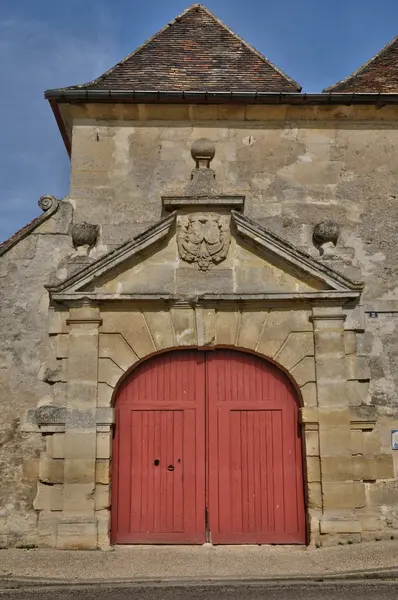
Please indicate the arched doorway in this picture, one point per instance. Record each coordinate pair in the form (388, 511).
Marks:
(207, 447)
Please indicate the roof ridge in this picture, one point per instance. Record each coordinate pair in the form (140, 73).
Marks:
(360, 69)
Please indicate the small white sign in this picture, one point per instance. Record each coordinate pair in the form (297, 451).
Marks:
(394, 439)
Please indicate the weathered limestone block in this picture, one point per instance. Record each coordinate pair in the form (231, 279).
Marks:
(314, 495)
(296, 347)
(370, 520)
(350, 342)
(359, 494)
(311, 443)
(338, 494)
(313, 469)
(227, 322)
(62, 344)
(329, 343)
(47, 526)
(382, 493)
(48, 497)
(78, 499)
(57, 445)
(333, 417)
(358, 367)
(251, 327)
(132, 325)
(357, 392)
(103, 525)
(309, 416)
(160, 328)
(82, 359)
(108, 372)
(102, 497)
(51, 470)
(309, 394)
(48, 414)
(184, 326)
(104, 445)
(115, 347)
(304, 371)
(75, 535)
(278, 326)
(340, 525)
(356, 442)
(335, 441)
(102, 471)
(205, 326)
(80, 444)
(337, 468)
(104, 397)
(79, 470)
(371, 442)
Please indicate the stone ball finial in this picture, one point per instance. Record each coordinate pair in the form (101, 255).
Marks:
(84, 234)
(203, 151)
(326, 232)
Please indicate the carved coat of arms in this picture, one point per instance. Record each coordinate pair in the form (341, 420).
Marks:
(204, 239)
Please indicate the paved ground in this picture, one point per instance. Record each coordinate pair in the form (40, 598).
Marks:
(365, 591)
(198, 562)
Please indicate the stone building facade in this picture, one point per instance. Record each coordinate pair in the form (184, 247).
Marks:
(214, 209)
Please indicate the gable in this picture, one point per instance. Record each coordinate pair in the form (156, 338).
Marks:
(204, 253)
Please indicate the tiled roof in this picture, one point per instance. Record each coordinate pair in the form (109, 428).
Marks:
(379, 74)
(195, 52)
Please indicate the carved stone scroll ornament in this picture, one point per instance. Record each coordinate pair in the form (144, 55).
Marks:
(203, 239)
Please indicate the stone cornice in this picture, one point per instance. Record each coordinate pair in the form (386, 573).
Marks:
(327, 296)
(229, 202)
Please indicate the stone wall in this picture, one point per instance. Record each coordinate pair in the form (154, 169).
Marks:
(296, 166)
(28, 370)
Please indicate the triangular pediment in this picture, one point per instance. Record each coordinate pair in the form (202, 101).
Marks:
(206, 254)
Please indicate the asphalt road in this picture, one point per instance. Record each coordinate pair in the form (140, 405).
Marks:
(325, 591)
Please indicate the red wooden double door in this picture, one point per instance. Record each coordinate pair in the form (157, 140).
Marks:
(207, 447)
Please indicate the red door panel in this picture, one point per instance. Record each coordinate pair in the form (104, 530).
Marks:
(255, 464)
(158, 488)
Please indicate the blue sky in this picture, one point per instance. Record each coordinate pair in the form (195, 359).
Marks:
(46, 44)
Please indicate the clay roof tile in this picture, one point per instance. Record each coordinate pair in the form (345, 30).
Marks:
(195, 52)
(378, 75)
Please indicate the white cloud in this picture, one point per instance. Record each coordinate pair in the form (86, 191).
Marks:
(35, 56)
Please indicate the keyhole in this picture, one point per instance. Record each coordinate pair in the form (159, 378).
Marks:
(156, 462)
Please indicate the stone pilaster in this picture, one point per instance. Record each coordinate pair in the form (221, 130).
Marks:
(78, 526)
(340, 493)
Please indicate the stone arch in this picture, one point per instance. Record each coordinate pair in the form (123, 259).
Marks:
(284, 337)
